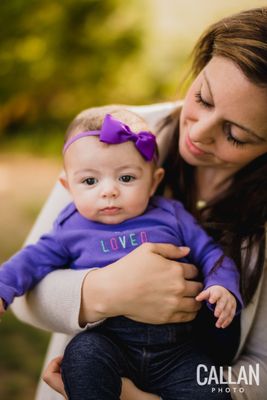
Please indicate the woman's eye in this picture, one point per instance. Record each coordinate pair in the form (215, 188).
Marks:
(90, 181)
(231, 138)
(126, 178)
(199, 99)
(235, 141)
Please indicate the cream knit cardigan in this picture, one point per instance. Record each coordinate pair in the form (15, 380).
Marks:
(54, 304)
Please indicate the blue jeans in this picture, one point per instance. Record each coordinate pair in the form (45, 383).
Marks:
(159, 359)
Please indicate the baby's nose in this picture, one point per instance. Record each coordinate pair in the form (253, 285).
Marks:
(110, 190)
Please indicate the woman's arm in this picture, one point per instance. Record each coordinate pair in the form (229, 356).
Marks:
(254, 352)
(54, 304)
(144, 286)
(47, 306)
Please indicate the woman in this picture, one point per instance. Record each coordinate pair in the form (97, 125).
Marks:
(220, 173)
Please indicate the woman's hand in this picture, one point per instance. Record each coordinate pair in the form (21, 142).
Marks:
(130, 392)
(52, 376)
(146, 285)
(2, 307)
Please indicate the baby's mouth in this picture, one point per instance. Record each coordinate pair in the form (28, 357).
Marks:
(111, 210)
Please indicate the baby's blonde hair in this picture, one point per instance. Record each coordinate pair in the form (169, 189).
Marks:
(92, 119)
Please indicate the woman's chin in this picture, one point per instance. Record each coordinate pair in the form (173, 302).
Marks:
(188, 157)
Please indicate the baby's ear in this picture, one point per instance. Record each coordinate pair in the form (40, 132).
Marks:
(63, 180)
(157, 178)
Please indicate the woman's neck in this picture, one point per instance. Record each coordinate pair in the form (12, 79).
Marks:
(211, 182)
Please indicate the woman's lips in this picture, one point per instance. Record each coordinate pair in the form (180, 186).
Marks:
(192, 148)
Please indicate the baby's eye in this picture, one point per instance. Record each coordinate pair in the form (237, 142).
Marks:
(126, 178)
(90, 181)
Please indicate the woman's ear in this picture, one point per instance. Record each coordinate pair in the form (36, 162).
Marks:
(157, 178)
(64, 181)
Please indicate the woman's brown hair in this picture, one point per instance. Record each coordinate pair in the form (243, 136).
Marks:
(237, 218)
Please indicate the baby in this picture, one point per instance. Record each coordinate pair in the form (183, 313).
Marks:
(111, 172)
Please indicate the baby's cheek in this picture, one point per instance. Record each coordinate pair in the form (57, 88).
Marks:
(140, 206)
(86, 208)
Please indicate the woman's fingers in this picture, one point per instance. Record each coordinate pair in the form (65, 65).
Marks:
(2, 308)
(147, 285)
(182, 317)
(168, 250)
(187, 311)
(52, 368)
(190, 271)
(131, 392)
(192, 288)
(52, 376)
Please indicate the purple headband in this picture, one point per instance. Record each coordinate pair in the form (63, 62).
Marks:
(114, 131)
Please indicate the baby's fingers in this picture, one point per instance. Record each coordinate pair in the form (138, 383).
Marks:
(220, 306)
(204, 295)
(211, 295)
(226, 316)
(224, 320)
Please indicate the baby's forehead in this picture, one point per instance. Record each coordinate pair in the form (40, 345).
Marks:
(91, 152)
(96, 148)
(135, 122)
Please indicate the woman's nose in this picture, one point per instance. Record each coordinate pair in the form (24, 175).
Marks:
(203, 131)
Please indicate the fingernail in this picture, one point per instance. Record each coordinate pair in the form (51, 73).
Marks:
(185, 248)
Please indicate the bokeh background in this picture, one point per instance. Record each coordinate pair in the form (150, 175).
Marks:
(56, 58)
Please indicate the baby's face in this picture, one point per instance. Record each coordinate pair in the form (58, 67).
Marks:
(109, 183)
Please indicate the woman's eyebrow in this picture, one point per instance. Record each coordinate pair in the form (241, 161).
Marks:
(249, 131)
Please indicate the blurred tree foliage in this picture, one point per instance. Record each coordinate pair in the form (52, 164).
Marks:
(58, 57)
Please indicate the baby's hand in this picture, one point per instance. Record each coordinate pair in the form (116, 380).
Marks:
(225, 304)
(2, 308)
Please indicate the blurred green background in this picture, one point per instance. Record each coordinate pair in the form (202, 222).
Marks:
(56, 58)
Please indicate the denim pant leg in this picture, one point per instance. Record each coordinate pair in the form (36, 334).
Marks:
(163, 360)
(172, 374)
(92, 367)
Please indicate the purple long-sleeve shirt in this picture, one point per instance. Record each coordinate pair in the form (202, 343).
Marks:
(79, 243)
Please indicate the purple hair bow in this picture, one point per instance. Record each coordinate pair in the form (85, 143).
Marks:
(114, 131)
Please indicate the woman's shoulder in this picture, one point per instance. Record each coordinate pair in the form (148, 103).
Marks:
(154, 113)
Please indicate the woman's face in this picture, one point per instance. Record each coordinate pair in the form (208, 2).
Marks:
(223, 122)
